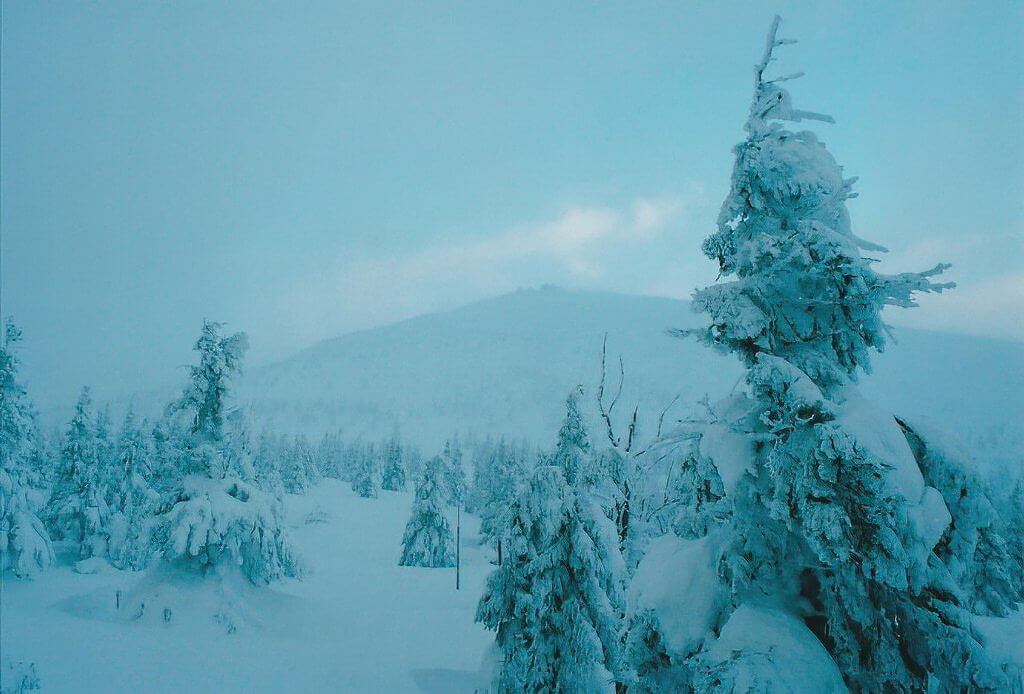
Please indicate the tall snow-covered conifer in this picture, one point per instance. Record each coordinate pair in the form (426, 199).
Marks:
(454, 474)
(216, 521)
(428, 538)
(392, 473)
(331, 455)
(815, 527)
(502, 473)
(556, 627)
(131, 498)
(365, 472)
(78, 506)
(24, 543)
(300, 469)
(267, 464)
(572, 450)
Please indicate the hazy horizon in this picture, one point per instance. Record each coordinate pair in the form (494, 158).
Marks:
(303, 172)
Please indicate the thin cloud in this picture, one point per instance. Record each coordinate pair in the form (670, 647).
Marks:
(576, 247)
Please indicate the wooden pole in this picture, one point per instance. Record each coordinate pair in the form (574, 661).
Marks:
(458, 543)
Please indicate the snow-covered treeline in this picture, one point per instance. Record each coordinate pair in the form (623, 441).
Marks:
(191, 485)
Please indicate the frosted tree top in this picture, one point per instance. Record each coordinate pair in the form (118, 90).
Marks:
(803, 292)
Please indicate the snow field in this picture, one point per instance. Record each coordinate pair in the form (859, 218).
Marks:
(357, 622)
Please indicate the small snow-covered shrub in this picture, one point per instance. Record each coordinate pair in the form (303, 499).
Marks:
(317, 515)
(20, 677)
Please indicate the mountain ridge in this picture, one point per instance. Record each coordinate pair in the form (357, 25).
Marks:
(504, 365)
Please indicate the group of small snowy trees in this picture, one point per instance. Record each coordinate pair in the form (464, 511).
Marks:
(102, 494)
(387, 465)
(188, 490)
(295, 464)
(814, 542)
(193, 490)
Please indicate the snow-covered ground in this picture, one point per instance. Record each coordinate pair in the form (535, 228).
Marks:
(356, 623)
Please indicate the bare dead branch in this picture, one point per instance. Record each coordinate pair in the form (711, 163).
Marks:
(605, 413)
(661, 417)
(622, 380)
(632, 429)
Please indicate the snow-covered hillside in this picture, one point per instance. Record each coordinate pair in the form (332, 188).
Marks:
(504, 366)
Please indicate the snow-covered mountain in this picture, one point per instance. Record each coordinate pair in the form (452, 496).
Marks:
(505, 365)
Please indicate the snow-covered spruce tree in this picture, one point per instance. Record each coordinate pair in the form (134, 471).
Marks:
(163, 457)
(215, 521)
(131, 498)
(107, 455)
(239, 447)
(503, 472)
(266, 464)
(412, 456)
(572, 449)
(24, 543)
(455, 483)
(557, 629)
(365, 472)
(599, 502)
(330, 456)
(78, 508)
(392, 472)
(480, 454)
(300, 469)
(817, 530)
(428, 538)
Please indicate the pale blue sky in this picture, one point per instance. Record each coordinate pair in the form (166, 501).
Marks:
(305, 169)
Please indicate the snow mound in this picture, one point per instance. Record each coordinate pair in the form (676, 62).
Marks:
(169, 590)
(734, 453)
(878, 432)
(678, 582)
(93, 565)
(772, 651)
